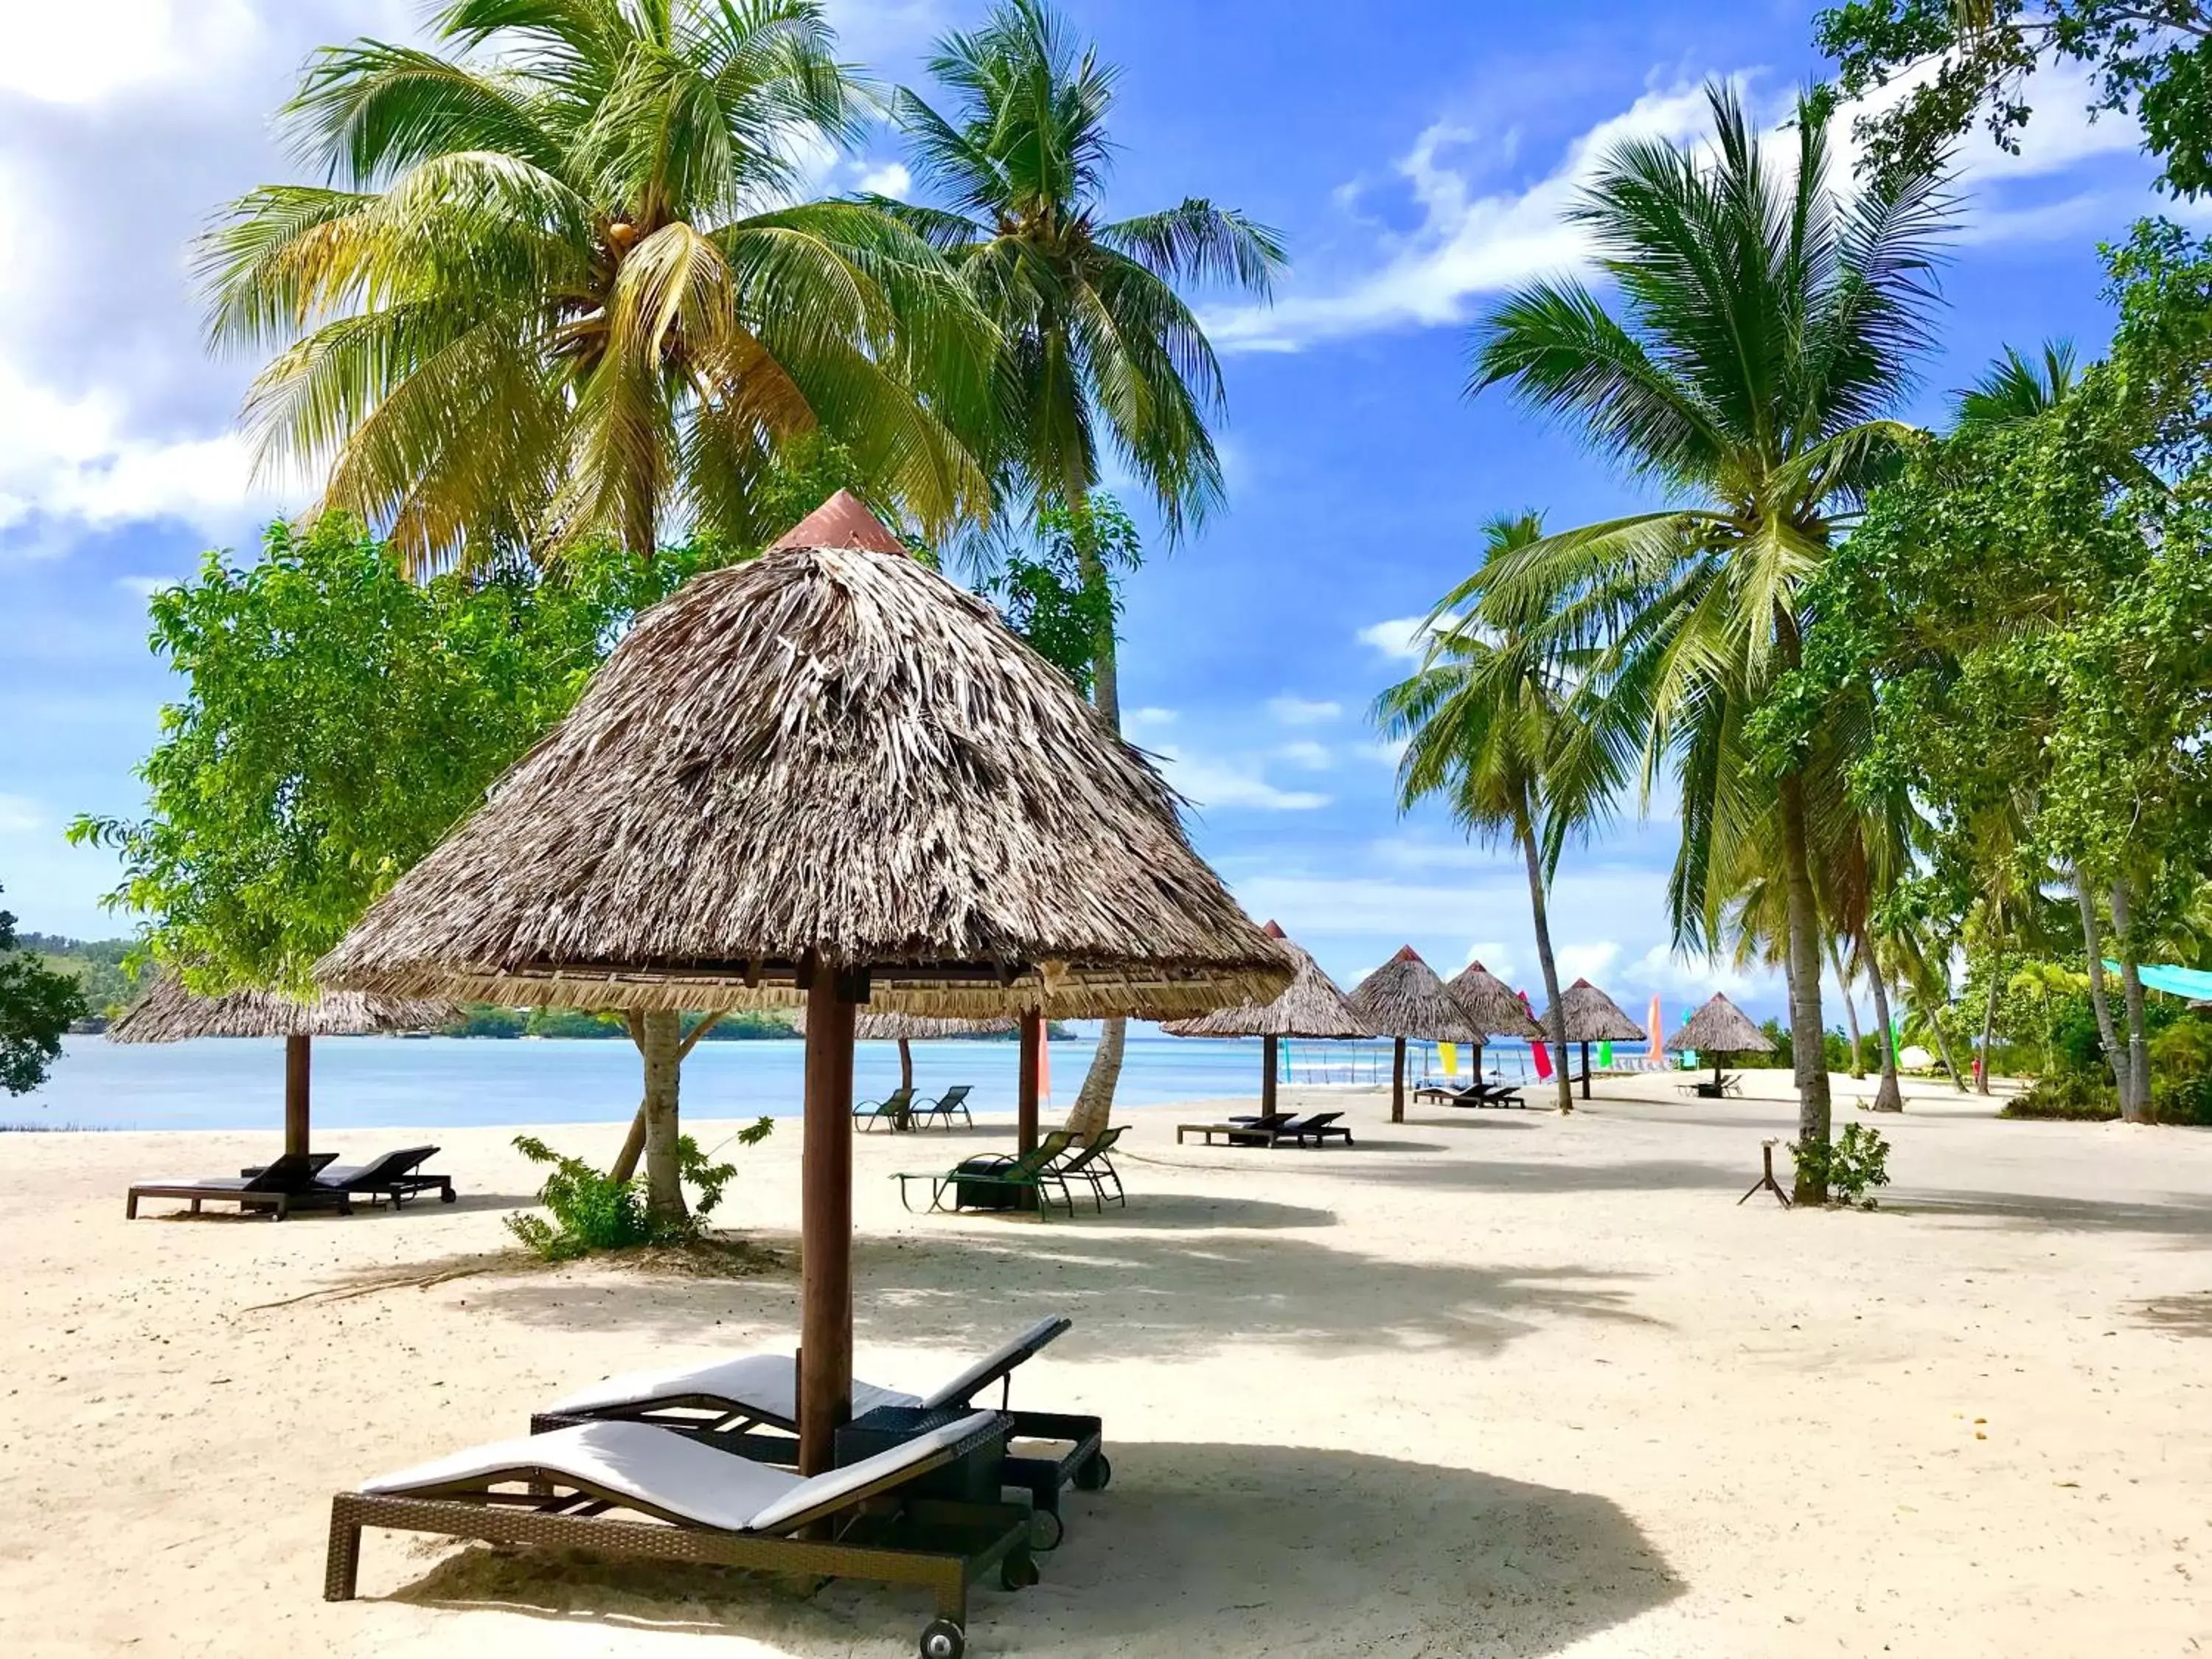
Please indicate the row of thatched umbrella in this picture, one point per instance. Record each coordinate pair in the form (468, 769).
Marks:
(826, 778)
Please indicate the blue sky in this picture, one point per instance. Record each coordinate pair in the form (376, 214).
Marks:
(1416, 154)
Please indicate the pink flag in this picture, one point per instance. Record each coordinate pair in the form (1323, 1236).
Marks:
(1541, 1051)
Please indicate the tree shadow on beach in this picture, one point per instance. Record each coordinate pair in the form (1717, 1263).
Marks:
(1517, 1175)
(2177, 1316)
(2184, 1219)
(1194, 1549)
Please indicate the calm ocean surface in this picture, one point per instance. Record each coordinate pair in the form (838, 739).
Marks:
(375, 1082)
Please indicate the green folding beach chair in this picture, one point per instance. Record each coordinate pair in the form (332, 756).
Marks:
(997, 1182)
(895, 1108)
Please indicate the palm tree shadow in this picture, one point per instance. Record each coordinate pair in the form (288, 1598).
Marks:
(1194, 1549)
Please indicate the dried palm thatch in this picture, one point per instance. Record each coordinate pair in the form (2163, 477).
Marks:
(1593, 1017)
(1720, 1028)
(170, 1013)
(1494, 1006)
(1312, 1007)
(890, 1026)
(1404, 998)
(833, 758)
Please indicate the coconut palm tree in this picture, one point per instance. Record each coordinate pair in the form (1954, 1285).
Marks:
(1493, 727)
(1098, 352)
(1766, 325)
(561, 283)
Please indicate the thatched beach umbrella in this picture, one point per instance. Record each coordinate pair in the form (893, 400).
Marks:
(906, 1029)
(1405, 998)
(1493, 1007)
(828, 777)
(1592, 1016)
(170, 1013)
(1312, 1007)
(1720, 1028)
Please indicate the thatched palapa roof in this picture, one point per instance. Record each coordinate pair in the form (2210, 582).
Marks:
(170, 1013)
(888, 1025)
(830, 755)
(1404, 998)
(1494, 1006)
(1593, 1017)
(1720, 1028)
(1311, 1007)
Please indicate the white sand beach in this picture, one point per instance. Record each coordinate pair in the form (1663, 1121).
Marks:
(1485, 1384)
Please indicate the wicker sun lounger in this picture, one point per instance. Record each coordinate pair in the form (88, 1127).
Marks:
(697, 1503)
(287, 1185)
(997, 1181)
(952, 1100)
(749, 1404)
(396, 1176)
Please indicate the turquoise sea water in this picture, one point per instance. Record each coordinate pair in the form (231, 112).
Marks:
(375, 1082)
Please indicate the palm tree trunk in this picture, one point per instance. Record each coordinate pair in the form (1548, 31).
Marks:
(1094, 1102)
(1805, 1025)
(2115, 1055)
(1989, 1037)
(664, 1060)
(1944, 1046)
(1851, 1009)
(1888, 1096)
(1541, 918)
(2134, 1099)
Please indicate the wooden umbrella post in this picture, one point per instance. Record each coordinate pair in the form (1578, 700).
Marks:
(825, 1233)
(1267, 1069)
(1025, 1100)
(906, 1066)
(297, 1068)
(1586, 1080)
(1397, 1079)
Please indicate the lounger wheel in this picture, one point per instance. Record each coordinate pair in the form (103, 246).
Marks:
(1046, 1530)
(943, 1639)
(1094, 1474)
(446, 1196)
(1017, 1572)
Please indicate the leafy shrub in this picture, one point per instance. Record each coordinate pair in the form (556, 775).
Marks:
(2187, 1100)
(1850, 1166)
(592, 1211)
(2080, 1096)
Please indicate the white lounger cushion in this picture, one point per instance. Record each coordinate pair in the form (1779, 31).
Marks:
(955, 1392)
(764, 1383)
(673, 1473)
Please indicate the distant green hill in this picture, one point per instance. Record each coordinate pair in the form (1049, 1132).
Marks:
(96, 964)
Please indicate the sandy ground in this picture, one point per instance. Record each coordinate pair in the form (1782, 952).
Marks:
(1488, 1383)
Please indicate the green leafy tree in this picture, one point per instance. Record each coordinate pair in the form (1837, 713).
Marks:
(338, 718)
(36, 1008)
(1062, 594)
(1971, 62)
(1494, 728)
(1765, 324)
(1098, 353)
(559, 288)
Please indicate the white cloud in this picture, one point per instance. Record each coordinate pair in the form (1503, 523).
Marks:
(890, 180)
(1206, 782)
(1314, 757)
(145, 588)
(1147, 720)
(1493, 954)
(20, 815)
(1660, 970)
(1585, 961)
(1389, 750)
(68, 55)
(1301, 711)
(1403, 637)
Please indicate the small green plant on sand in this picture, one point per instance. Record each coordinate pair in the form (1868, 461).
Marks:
(592, 1211)
(1856, 1163)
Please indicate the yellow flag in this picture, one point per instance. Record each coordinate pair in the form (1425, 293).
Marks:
(1448, 1056)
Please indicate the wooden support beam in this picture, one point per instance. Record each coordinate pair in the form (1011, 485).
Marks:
(1268, 1070)
(1025, 1098)
(825, 1233)
(297, 1070)
(1397, 1079)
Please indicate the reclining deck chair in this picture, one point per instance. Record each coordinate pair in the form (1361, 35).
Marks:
(699, 1504)
(729, 1402)
(281, 1187)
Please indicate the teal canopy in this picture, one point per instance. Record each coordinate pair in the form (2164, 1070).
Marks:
(2191, 982)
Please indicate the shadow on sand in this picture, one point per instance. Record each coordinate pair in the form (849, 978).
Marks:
(1194, 1549)
(2184, 1220)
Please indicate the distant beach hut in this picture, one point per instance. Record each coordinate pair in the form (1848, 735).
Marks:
(825, 777)
(1403, 1000)
(1311, 1006)
(170, 1013)
(1592, 1016)
(1720, 1028)
(1493, 1008)
(906, 1029)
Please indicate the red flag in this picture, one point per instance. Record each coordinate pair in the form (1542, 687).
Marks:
(1541, 1051)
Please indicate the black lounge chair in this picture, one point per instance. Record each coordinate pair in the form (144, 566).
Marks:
(1089, 1163)
(281, 1187)
(952, 1100)
(1261, 1129)
(730, 1402)
(696, 1502)
(996, 1181)
(895, 1108)
(1476, 1094)
(1319, 1128)
(396, 1176)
